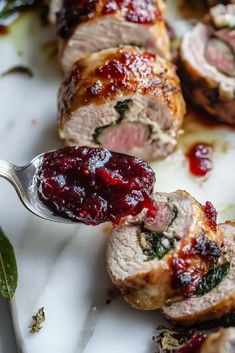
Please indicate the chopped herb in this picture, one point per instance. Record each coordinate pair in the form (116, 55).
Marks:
(38, 319)
(13, 7)
(121, 108)
(8, 268)
(169, 341)
(24, 70)
(98, 131)
(155, 245)
(213, 278)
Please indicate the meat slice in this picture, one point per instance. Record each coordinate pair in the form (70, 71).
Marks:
(141, 253)
(218, 301)
(208, 64)
(89, 26)
(222, 341)
(123, 99)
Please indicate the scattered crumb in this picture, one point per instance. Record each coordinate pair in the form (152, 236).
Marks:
(38, 319)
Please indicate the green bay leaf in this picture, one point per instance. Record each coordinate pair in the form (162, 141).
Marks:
(8, 268)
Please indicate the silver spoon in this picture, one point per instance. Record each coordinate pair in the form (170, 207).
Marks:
(24, 181)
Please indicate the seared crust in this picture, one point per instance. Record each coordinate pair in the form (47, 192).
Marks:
(113, 74)
(148, 284)
(216, 303)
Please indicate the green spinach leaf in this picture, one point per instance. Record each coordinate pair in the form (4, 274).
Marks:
(155, 245)
(121, 107)
(213, 278)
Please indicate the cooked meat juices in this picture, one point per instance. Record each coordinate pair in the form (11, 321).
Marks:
(208, 64)
(218, 301)
(125, 100)
(89, 26)
(144, 256)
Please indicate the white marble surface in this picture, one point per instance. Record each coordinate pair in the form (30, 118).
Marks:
(62, 267)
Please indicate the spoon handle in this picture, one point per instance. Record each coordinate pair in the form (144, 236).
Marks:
(8, 171)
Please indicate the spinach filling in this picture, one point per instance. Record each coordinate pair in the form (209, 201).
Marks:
(213, 278)
(155, 245)
(121, 107)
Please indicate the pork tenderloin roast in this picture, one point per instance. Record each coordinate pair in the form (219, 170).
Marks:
(123, 99)
(156, 257)
(217, 302)
(208, 64)
(88, 26)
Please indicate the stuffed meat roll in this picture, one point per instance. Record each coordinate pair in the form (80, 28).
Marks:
(126, 100)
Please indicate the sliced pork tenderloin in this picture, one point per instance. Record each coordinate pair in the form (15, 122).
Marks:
(89, 26)
(157, 257)
(123, 99)
(217, 302)
(208, 64)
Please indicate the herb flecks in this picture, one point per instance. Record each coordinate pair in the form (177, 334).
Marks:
(155, 245)
(213, 278)
(38, 319)
(8, 268)
(121, 107)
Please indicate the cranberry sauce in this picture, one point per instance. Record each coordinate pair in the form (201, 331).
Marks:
(200, 159)
(211, 215)
(192, 261)
(138, 11)
(93, 185)
(194, 344)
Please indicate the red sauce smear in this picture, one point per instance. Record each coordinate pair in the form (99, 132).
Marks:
(3, 30)
(94, 185)
(194, 345)
(137, 11)
(122, 71)
(200, 159)
(192, 261)
(211, 215)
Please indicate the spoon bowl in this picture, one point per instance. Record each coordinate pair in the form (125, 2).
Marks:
(24, 180)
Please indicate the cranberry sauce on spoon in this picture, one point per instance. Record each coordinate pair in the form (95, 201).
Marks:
(94, 185)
